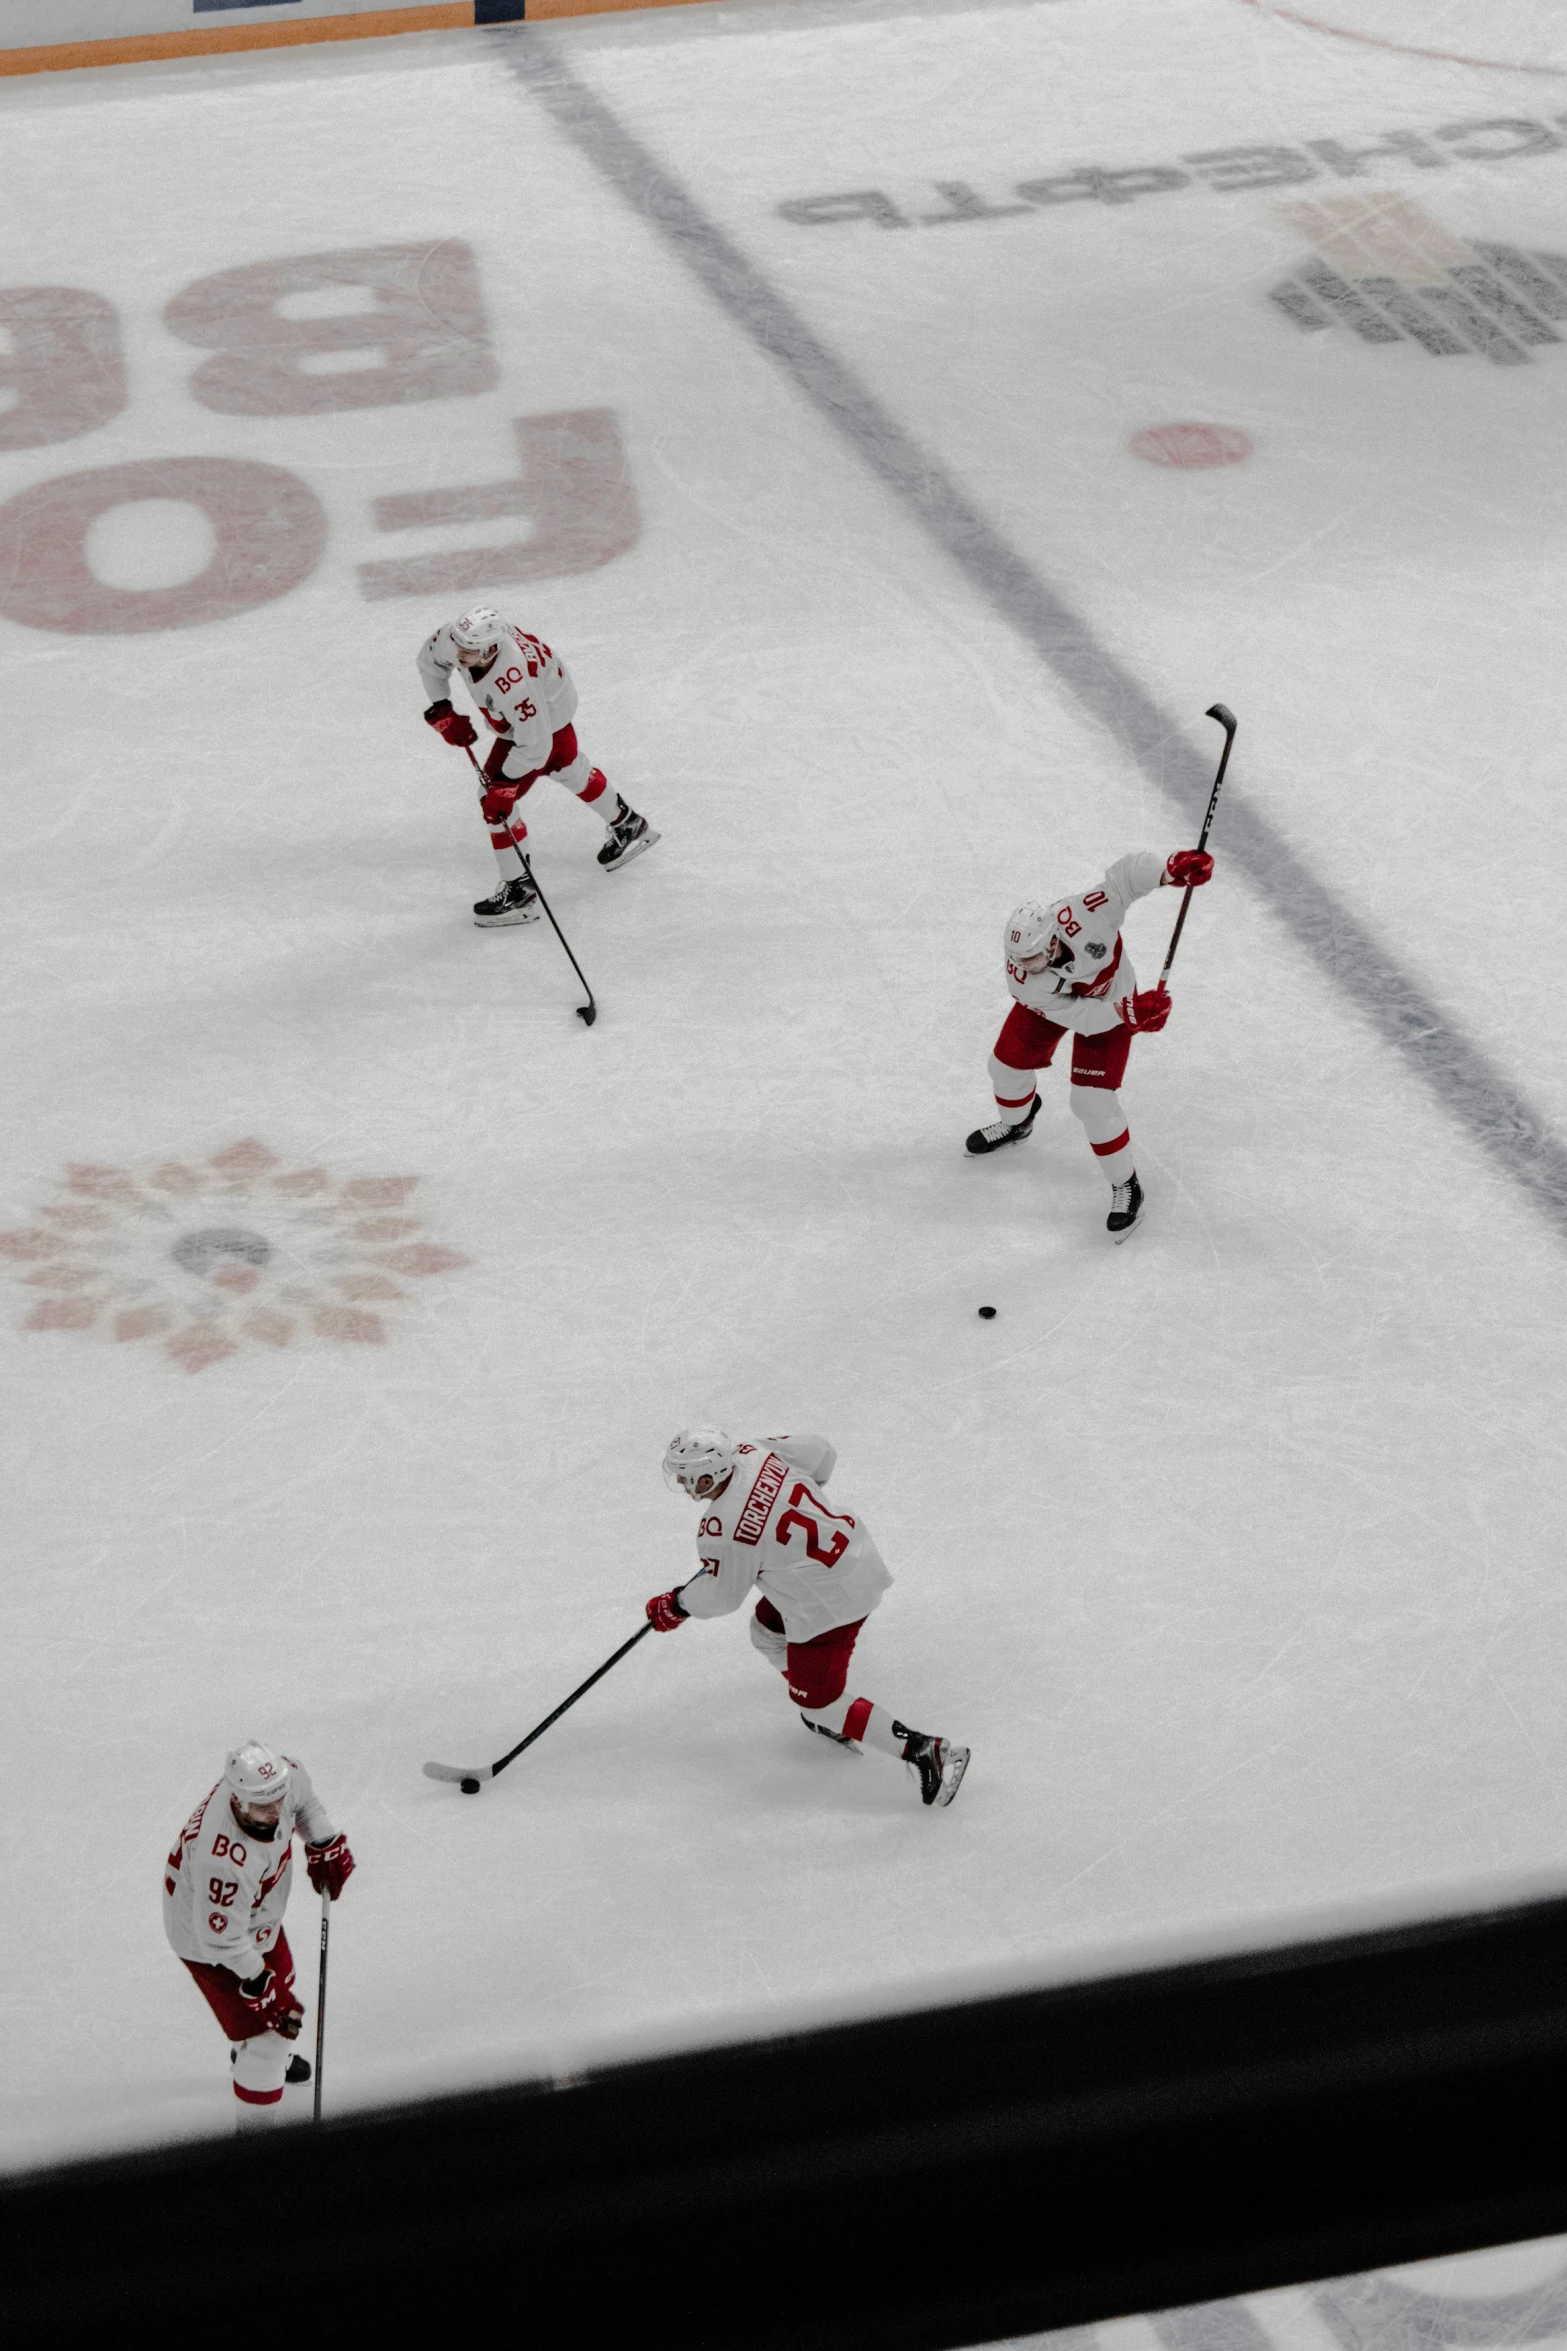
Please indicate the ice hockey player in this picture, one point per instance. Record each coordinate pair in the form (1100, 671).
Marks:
(225, 1889)
(1068, 969)
(529, 701)
(819, 1574)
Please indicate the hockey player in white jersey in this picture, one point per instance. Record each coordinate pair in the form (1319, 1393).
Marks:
(819, 1574)
(525, 695)
(225, 1889)
(1068, 970)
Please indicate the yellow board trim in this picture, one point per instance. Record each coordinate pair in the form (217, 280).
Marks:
(538, 8)
(137, 48)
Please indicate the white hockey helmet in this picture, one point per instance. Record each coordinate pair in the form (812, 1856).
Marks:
(697, 1454)
(1031, 930)
(477, 631)
(256, 1773)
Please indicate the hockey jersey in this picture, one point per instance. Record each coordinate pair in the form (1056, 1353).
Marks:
(224, 1888)
(1092, 993)
(770, 1527)
(526, 693)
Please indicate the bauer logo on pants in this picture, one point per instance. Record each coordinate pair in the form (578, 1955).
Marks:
(1390, 273)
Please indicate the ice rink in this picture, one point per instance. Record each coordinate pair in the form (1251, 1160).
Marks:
(824, 382)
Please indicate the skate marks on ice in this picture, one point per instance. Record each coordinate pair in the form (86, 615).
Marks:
(1492, 2301)
(207, 1258)
(1473, 1091)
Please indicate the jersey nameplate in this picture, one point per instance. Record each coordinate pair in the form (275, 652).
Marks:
(759, 1507)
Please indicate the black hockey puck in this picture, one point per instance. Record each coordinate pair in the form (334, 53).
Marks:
(988, 1313)
(469, 1787)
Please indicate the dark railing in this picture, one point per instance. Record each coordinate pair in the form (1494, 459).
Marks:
(907, 2184)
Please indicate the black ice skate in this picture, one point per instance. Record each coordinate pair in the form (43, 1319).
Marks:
(939, 1765)
(993, 1137)
(1126, 1208)
(837, 1737)
(516, 901)
(627, 837)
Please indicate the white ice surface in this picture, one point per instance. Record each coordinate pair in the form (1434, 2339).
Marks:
(1234, 1553)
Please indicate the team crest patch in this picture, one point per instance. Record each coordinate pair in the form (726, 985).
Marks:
(207, 1258)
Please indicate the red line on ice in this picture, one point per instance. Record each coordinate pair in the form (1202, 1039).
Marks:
(1342, 32)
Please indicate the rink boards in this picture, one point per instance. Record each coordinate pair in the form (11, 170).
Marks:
(52, 36)
(905, 427)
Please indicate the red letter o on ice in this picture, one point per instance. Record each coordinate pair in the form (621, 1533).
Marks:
(269, 527)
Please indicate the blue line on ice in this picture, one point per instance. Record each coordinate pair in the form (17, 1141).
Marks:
(1493, 1112)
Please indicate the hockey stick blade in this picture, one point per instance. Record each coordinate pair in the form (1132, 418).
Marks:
(474, 1773)
(587, 1013)
(1228, 720)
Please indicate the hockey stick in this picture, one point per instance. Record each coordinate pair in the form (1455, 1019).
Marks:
(469, 1775)
(1228, 721)
(587, 1013)
(326, 1927)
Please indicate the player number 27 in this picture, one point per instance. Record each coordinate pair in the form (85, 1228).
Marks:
(794, 1516)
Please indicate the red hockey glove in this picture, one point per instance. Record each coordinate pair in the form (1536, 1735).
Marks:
(1148, 1010)
(1188, 869)
(450, 725)
(330, 1866)
(497, 803)
(664, 1612)
(272, 2003)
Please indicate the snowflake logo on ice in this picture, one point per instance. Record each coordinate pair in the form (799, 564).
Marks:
(208, 1258)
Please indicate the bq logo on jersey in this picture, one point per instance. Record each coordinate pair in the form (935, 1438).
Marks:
(1389, 272)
